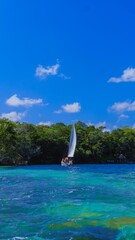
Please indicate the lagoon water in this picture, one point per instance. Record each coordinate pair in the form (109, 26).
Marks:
(80, 202)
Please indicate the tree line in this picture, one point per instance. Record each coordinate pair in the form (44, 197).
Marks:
(23, 143)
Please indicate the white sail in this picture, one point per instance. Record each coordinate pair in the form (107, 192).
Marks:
(72, 143)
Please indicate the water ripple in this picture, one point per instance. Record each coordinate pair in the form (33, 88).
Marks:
(80, 202)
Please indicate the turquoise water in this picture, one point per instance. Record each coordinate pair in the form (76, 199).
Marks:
(71, 203)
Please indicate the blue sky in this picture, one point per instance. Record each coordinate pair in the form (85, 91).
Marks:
(63, 61)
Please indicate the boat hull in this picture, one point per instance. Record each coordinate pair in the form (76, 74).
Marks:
(66, 164)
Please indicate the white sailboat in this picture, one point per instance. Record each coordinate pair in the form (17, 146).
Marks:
(71, 149)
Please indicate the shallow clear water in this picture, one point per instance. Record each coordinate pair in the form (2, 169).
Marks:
(76, 203)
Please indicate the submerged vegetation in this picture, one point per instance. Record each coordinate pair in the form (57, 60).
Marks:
(23, 143)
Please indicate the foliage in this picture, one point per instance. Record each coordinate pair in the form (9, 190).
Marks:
(23, 143)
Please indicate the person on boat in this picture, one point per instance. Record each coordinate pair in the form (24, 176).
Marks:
(65, 160)
(70, 162)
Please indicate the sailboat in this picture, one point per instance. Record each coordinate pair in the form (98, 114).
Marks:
(71, 149)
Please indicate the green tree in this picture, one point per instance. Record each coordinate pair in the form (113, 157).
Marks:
(8, 142)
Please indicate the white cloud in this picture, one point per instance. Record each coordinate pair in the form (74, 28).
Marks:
(106, 129)
(13, 116)
(72, 108)
(43, 72)
(124, 116)
(15, 101)
(62, 75)
(90, 124)
(97, 125)
(69, 108)
(58, 111)
(45, 123)
(123, 106)
(100, 124)
(127, 76)
(114, 127)
(133, 125)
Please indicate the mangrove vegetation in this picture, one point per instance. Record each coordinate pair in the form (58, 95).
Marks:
(23, 143)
